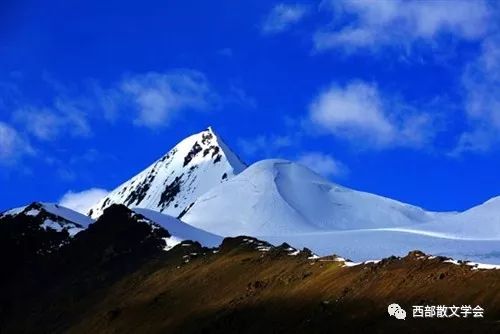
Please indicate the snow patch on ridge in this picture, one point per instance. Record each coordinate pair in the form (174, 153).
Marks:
(180, 231)
(54, 216)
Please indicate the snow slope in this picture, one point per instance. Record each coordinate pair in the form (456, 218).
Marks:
(53, 216)
(175, 181)
(279, 197)
(481, 222)
(281, 201)
(179, 230)
(364, 245)
(202, 182)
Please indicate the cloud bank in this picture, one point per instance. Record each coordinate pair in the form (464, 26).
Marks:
(82, 201)
(282, 17)
(360, 113)
(12, 145)
(323, 164)
(365, 24)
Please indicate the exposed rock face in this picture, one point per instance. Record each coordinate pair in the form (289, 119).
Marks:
(50, 216)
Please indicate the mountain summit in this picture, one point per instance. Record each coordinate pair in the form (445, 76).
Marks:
(176, 180)
(283, 197)
(213, 194)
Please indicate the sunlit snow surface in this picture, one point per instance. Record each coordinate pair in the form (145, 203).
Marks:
(280, 201)
(68, 214)
(364, 245)
(179, 230)
(276, 197)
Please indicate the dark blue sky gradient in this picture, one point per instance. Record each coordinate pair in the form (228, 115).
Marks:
(63, 48)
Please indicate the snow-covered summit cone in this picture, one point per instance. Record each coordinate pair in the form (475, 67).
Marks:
(278, 197)
(172, 183)
(52, 216)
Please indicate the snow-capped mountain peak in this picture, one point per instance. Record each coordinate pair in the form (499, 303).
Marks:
(172, 183)
(53, 216)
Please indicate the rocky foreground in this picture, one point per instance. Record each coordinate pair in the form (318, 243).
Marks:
(115, 277)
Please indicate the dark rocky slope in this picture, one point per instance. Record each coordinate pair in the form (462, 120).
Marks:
(115, 278)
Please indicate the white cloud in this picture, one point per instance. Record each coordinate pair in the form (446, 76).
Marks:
(155, 99)
(12, 145)
(282, 16)
(159, 97)
(371, 24)
(84, 200)
(354, 110)
(150, 99)
(49, 123)
(481, 82)
(74, 117)
(323, 164)
(42, 123)
(359, 113)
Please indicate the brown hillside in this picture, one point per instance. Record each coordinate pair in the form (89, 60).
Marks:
(114, 277)
(243, 290)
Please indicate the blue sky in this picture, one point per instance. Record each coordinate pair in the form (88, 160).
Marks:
(399, 98)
